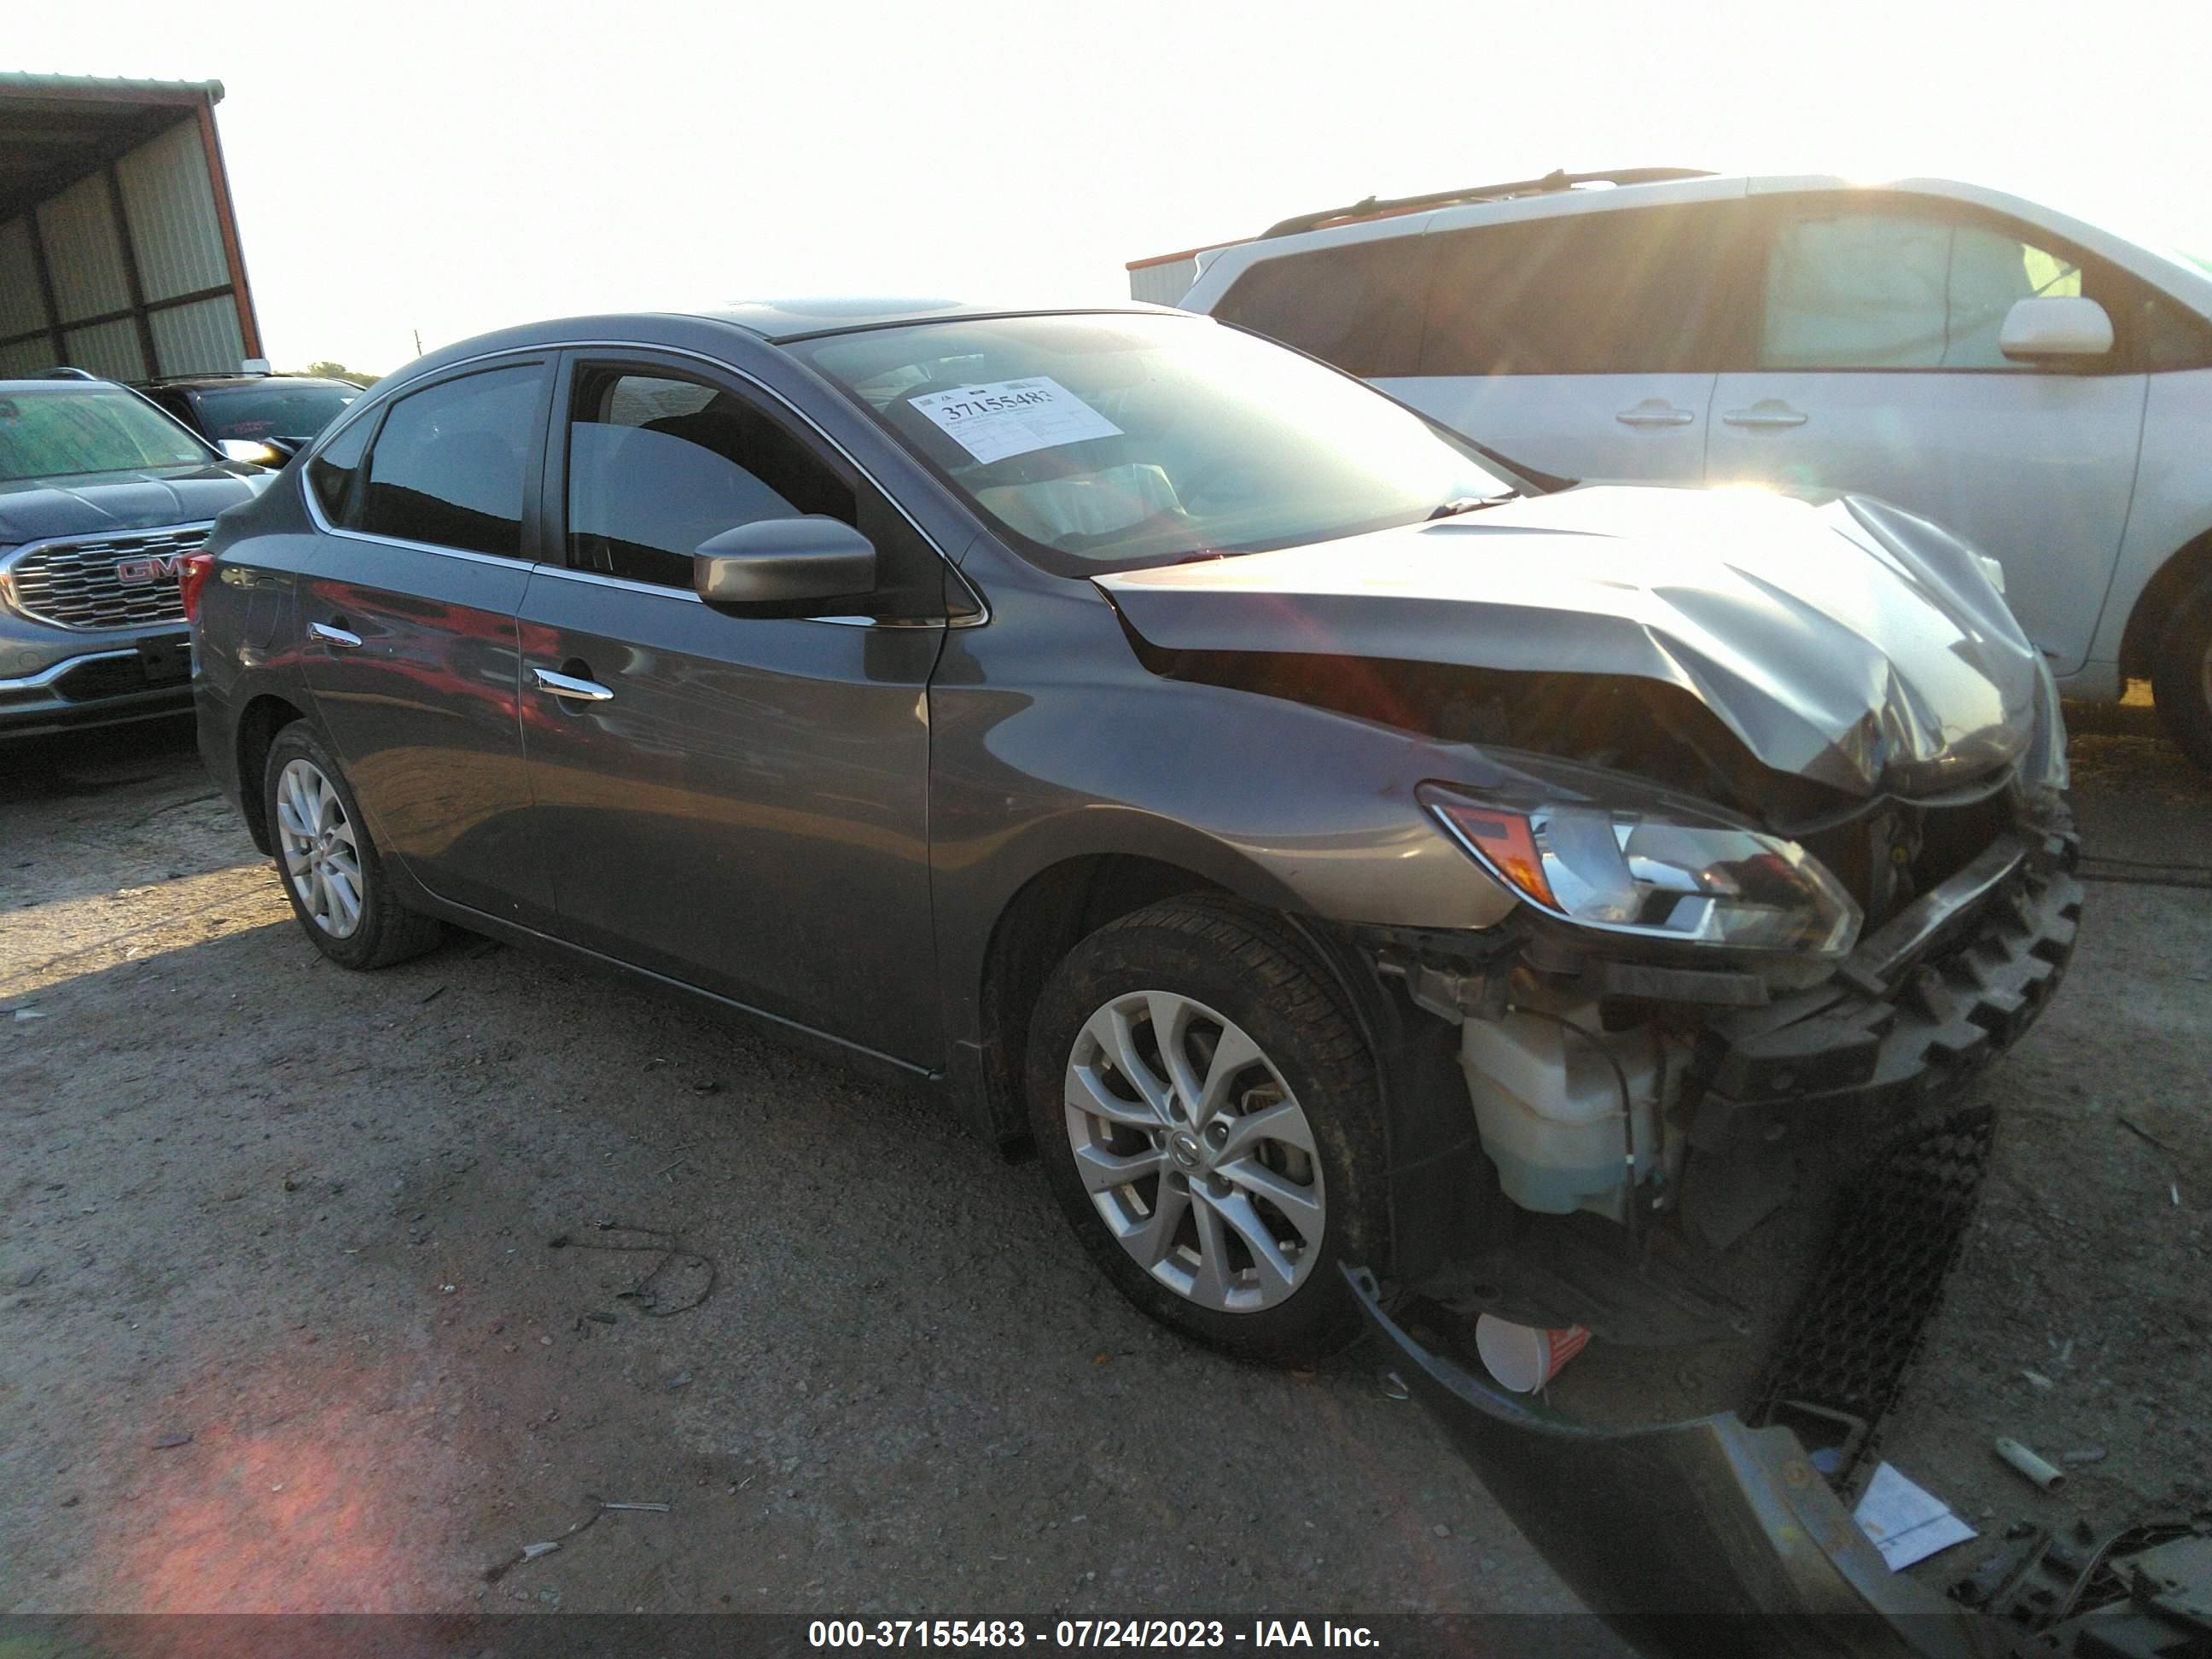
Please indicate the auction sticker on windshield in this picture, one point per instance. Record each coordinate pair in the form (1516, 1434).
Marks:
(1012, 417)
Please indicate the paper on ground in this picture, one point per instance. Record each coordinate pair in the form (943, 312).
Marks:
(1906, 1523)
(1012, 417)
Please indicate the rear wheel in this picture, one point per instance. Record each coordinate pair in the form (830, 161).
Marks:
(329, 865)
(2181, 674)
(1209, 1118)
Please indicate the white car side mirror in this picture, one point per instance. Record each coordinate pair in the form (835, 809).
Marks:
(2038, 331)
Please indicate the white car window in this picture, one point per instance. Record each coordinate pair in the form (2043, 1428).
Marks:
(1872, 290)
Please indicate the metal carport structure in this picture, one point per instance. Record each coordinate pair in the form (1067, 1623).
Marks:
(119, 246)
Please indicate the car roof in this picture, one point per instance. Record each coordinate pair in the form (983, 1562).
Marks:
(207, 382)
(778, 320)
(1385, 221)
(27, 383)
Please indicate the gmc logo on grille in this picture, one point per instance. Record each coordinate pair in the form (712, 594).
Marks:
(154, 568)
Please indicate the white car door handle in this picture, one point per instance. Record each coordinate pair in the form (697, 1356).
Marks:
(1768, 412)
(1656, 414)
(565, 685)
(337, 637)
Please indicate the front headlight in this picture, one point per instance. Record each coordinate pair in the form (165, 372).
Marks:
(1624, 872)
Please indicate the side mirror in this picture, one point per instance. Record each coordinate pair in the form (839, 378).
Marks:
(775, 565)
(246, 449)
(2042, 331)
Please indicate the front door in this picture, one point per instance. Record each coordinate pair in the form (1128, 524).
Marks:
(1872, 365)
(409, 613)
(737, 803)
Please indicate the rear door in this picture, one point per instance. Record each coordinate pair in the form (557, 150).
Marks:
(1583, 343)
(737, 803)
(1870, 362)
(410, 612)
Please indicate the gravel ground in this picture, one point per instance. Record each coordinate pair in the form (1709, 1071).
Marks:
(282, 1326)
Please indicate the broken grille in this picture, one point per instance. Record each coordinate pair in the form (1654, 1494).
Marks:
(122, 580)
(1858, 1325)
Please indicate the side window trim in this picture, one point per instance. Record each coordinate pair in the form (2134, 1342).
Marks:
(1776, 211)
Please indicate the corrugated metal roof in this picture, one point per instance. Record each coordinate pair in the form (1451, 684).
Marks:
(54, 129)
(113, 215)
(109, 85)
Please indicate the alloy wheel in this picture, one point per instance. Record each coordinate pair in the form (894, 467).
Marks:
(1196, 1152)
(322, 860)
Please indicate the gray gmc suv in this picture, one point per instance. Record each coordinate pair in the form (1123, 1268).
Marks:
(100, 495)
(1325, 844)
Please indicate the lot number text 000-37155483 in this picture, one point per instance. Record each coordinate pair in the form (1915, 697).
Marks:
(1075, 1633)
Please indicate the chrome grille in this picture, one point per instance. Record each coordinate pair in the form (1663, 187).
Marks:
(119, 581)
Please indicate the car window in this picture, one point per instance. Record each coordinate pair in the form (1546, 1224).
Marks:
(1892, 290)
(331, 472)
(658, 465)
(1356, 305)
(71, 431)
(275, 410)
(1626, 291)
(1111, 441)
(447, 464)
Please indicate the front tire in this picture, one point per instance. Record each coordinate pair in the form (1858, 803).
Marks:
(2181, 674)
(1210, 1119)
(327, 863)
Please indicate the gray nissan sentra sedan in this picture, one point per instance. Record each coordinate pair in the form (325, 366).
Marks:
(1326, 844)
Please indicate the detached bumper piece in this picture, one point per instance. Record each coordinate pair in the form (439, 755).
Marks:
(1709, 1538)
(1927, 1000)
(1693, 1539)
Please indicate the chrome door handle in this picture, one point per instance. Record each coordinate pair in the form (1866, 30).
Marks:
(565, 685)
(1654, 415)
(338, 638)
(1766, 414)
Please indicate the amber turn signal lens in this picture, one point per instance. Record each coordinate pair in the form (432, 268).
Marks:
(1503, 840)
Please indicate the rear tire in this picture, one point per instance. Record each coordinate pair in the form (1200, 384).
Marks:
(2181, 674)
(327, 864)
(1211, 1120)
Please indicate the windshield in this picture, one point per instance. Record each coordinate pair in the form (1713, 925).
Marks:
(72, 429)
(1109, 442)
(271, 411)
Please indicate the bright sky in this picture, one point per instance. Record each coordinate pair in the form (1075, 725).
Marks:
(452, 167)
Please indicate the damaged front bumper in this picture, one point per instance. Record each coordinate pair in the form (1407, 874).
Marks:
(1711, 1535)
(1951, 981)
(1726, 1075)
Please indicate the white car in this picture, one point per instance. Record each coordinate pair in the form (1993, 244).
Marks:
(2038, 384)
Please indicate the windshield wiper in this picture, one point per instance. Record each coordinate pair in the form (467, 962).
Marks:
(1459, 504)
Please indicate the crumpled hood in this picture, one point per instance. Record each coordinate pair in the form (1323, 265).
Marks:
(1842, 639)
(33, 510)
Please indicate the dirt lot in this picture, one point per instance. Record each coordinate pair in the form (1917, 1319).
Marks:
(303, 1217)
